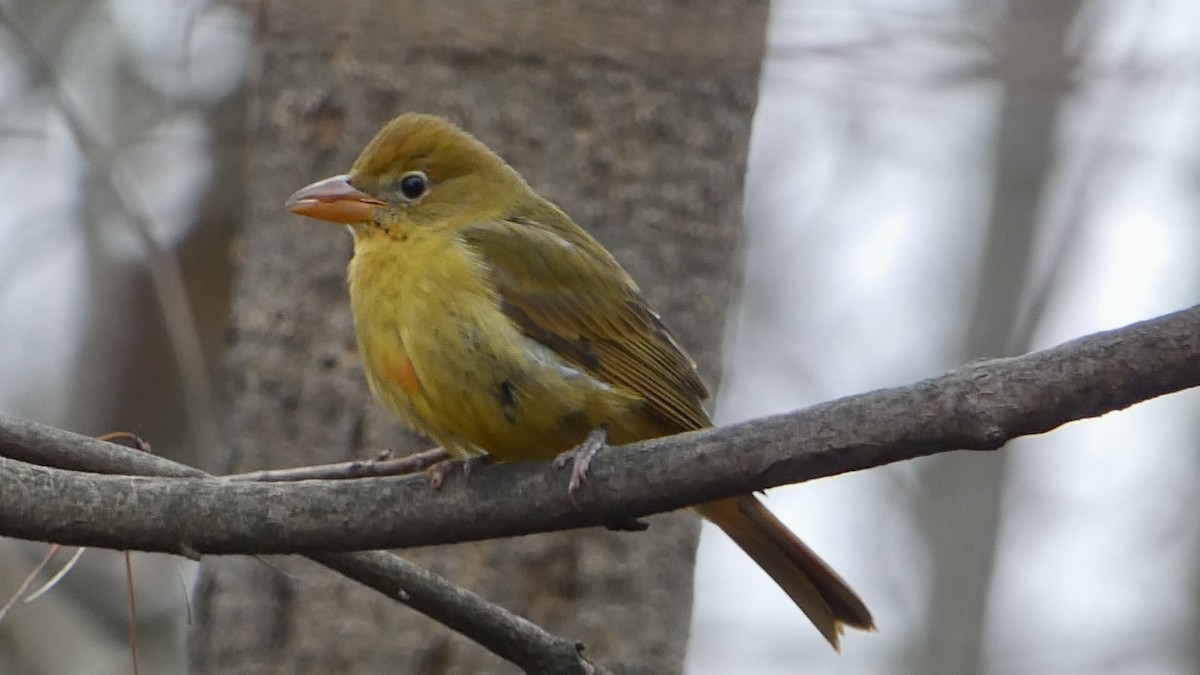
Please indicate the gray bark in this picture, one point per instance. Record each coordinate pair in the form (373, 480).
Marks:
(635, 120)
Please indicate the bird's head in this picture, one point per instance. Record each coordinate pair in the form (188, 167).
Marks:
(420, 171)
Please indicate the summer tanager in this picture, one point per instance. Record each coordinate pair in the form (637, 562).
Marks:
(491, 322)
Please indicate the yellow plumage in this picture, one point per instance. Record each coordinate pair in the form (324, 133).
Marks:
(475, 374)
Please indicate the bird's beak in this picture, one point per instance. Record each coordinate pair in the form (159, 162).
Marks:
(334, 199)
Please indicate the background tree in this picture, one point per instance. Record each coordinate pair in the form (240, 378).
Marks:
(1031, 70)
(635, 119)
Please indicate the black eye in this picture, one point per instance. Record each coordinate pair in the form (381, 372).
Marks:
(414, 185)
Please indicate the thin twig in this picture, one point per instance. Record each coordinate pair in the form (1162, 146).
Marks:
(133, 636)
(57, 576)
(28, 580)
(398, 466)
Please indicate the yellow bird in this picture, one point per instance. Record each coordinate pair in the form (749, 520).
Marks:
(491, 322)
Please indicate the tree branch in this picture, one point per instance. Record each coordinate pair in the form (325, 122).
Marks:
(979, 406)
(504, 633)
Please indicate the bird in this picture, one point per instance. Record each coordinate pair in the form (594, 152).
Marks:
(489, 321)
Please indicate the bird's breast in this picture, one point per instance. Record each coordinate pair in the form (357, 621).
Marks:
(439, 352)
(413, 301)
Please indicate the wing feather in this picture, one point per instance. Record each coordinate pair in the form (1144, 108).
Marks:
(573, 297)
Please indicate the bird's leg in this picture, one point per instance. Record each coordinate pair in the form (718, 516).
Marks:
(580, 458)
(439, 472)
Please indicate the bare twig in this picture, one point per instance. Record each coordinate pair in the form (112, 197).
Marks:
(56, 577)
(28, 580)
(133, 636)
(418, 461)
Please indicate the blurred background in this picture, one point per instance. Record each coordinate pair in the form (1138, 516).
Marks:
(929, 183)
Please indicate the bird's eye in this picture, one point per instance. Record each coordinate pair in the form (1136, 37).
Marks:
(413, 185)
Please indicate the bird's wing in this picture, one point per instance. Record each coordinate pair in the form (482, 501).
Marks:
(576, 300)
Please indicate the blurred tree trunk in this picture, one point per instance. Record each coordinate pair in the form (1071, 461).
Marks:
(635, 120)
(1034, 72)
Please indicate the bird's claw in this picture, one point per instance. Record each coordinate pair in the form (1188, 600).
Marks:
(440, 471)
(580, 458)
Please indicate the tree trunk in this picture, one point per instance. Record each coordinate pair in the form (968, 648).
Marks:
(635, 120)
(963, 541)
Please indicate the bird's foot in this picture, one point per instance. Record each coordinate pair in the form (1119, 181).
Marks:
(580, 458)
(439, 472)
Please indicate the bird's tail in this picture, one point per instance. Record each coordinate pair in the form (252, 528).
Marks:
(815, 588)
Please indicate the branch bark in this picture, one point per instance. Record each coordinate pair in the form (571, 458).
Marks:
(502, 632)
(980, 406)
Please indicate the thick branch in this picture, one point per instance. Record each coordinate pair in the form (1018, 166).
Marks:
(979, 406)
(506, 634)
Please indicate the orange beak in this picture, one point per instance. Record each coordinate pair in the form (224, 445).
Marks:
(334, 199)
